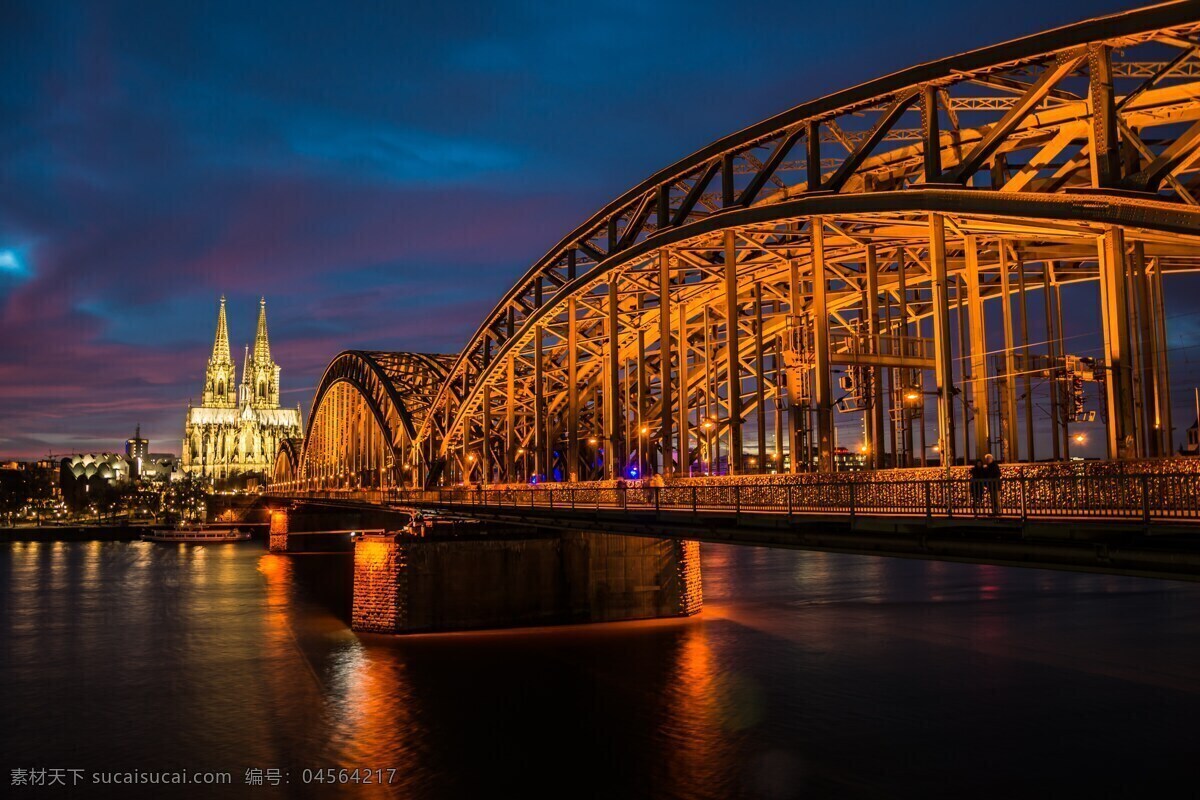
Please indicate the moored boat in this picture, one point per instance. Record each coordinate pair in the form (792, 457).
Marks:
(196, 534)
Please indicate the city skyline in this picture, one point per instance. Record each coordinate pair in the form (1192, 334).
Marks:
(380, 213)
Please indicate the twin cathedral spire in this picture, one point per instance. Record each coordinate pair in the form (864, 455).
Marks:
(260, 375)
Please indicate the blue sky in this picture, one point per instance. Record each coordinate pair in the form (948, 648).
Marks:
(382, 172)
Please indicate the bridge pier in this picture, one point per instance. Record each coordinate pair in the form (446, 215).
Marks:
(407, 584)
(277, 536)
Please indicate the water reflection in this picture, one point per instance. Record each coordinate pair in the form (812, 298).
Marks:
(807, 674)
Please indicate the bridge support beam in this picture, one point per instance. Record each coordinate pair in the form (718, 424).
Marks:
(1162, 377)
(978, 358)
(823, 383)
(874, 426)
(944, 365)
(404, 584)
(732, 348)
(1009, 384)
(1114, 312)
(613, 465)
(667, 407)
(572, 391)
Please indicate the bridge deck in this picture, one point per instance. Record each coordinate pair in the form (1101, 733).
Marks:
(1128, 524)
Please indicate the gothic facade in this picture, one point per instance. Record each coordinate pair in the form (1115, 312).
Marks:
(237, 429)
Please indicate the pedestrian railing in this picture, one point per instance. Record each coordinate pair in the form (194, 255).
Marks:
(1145, 497)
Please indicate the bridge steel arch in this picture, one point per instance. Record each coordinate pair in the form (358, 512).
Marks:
(288, 461)
(365, 415)
(867, 231)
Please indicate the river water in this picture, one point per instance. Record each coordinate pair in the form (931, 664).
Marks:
(807, 675)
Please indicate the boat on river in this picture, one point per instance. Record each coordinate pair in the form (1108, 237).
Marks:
(196, 534)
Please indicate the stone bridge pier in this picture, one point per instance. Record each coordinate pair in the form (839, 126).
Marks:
(408, 584)
(464, 575)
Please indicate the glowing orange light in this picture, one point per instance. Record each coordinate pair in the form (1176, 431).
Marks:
(593, 440)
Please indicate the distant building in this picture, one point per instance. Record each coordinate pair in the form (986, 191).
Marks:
(160, 467)
(846, 460)
(236, 430)
(109, 467)
(85, 475)
(136, 450)
(137, 447)
(1192, 446)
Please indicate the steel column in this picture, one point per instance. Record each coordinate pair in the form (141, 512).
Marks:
(822, 379)
(795, 412)
(541, 445)
(485, 452)
(1104, 148)
(978, 354)
(612, 399)
(760, 392)
(943, 363)
(572, 391)
(1027, 385)
(1052, 348)
(1011, 452)
(906, 416)
(664, 357)
(1114, 320)
(1162, 381)
(874, 426)
(510, 423)
(685, 445)
(732, 364)
(1150, 418)
(931, 134)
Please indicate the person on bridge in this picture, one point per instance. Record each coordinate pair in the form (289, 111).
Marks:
(977, 478)
(656, 485)
(991, 477)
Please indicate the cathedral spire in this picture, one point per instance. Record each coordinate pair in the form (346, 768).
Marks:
(220, 351)
(262, 347)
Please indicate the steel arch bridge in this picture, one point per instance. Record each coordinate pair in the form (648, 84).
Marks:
(895, 231)
(366, 414)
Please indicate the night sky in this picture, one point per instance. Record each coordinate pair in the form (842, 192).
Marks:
(381, 172)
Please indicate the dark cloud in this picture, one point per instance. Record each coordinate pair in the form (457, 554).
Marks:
(381, 171)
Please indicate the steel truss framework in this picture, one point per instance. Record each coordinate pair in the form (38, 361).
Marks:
(866, 232)
(367, 410)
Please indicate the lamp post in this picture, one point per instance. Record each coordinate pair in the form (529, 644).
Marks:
(708, 425)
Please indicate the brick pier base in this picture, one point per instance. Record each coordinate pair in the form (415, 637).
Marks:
(404, 584)
(277, 541)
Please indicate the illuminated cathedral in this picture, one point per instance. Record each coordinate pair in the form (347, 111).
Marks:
(237, 429)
